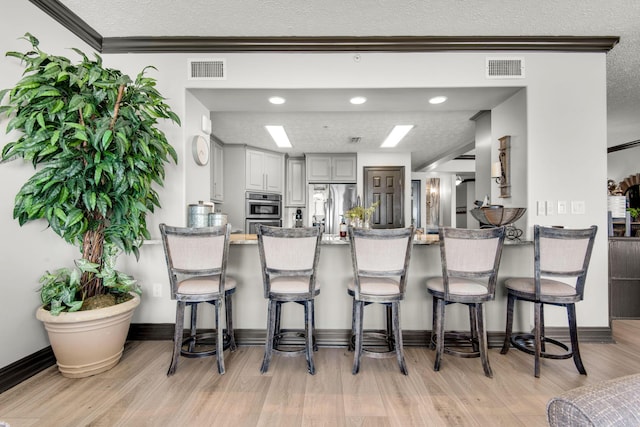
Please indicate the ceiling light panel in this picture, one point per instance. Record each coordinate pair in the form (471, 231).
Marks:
(279, 136)
(397, 133)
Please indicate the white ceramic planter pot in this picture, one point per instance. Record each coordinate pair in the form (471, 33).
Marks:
(89, 342)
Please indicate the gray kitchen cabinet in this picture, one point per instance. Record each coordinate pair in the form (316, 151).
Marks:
(217, 172)
(264, 171)
(331, 168)
(296, 194)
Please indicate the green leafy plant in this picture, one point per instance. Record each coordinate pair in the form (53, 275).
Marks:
(91, 134)
(361, 213)
(634, 212)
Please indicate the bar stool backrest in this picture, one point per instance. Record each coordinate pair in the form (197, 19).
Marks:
(195, 252)
(471, 254)
(563, 252)
(381, 252)
(289, 252)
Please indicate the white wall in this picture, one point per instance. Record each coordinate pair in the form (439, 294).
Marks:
(194, 110)
(25, 253)
(566, 120)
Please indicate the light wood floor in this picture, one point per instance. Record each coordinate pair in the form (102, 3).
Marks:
(137, 392)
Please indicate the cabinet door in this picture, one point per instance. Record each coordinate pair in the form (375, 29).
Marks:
(318, 168)
(255, 178)
(273, 172)
(343, 168)
(296, 188)
(217, 187)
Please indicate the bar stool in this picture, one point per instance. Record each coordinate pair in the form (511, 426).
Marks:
(470, 260)
(561, 260)
(380, 264)
(197, 264)
(289, 260)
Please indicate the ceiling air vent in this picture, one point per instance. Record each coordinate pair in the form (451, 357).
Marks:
(505, 68)
(207, 69)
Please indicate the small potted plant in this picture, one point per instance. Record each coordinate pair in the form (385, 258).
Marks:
(360, 216)
(91, 134)
(634, 213)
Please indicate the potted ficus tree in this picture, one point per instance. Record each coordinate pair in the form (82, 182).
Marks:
(91, 134)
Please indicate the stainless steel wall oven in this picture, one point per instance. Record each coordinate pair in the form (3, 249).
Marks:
(262, 208)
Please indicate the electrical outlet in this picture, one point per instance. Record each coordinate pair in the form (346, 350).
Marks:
(542, 208)
(157, 290)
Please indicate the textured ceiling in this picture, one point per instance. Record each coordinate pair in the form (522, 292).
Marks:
(262, 18)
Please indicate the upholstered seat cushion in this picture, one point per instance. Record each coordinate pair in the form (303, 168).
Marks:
(457, 286)
(547, 286)
(608, 403)
(291, 285)
(377, 286)
(204, 285)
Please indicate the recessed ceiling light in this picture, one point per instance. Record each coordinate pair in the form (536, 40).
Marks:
(397, 133)
(277, 100)
(279, 136)
(437, 100)
(357, 100)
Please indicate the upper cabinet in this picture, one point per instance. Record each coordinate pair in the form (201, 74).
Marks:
(264, 171)
(296, 194)
(217, 172)
(331, 168)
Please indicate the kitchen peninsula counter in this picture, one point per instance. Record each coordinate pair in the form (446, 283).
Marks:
(333, 305)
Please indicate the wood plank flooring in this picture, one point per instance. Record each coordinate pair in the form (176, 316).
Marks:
(137, 391)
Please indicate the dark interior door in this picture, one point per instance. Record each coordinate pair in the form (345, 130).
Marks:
(385, 185)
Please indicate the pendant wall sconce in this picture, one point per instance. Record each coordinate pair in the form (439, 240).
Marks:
(500, 170)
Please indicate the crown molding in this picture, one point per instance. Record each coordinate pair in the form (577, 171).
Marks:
(354, 44)
(70, 21)
(397, 44)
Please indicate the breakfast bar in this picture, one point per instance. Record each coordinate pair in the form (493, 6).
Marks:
(333, 305)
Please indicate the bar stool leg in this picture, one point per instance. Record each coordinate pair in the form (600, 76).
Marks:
(434, 312)
(482, 339)
(193, 328)
(509, 329)
(391, 342)
(573, 331)
(538, 337)
(359, 309)
(439, 333)
(473, 327)
(308, 348)
(395, 314)
(229, 319)
(177, 337)
(220, 339)
(268, 345)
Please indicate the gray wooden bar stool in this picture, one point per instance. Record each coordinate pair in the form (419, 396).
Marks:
(561, 260)
(197, 264)
(380, 260)
(289, 260)
(470, 260)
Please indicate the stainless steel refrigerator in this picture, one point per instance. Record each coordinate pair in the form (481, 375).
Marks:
(328, 202)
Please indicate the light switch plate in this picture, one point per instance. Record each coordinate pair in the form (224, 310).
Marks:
(542, 208)
(577, 207)
(551, 208)
(562, 207)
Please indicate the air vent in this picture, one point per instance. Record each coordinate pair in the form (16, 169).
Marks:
(505, 68)
(207, 69)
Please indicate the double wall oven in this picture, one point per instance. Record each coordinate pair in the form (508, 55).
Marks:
(262, 208)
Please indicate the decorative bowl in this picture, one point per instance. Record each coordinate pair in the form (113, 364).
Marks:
(497, 215)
